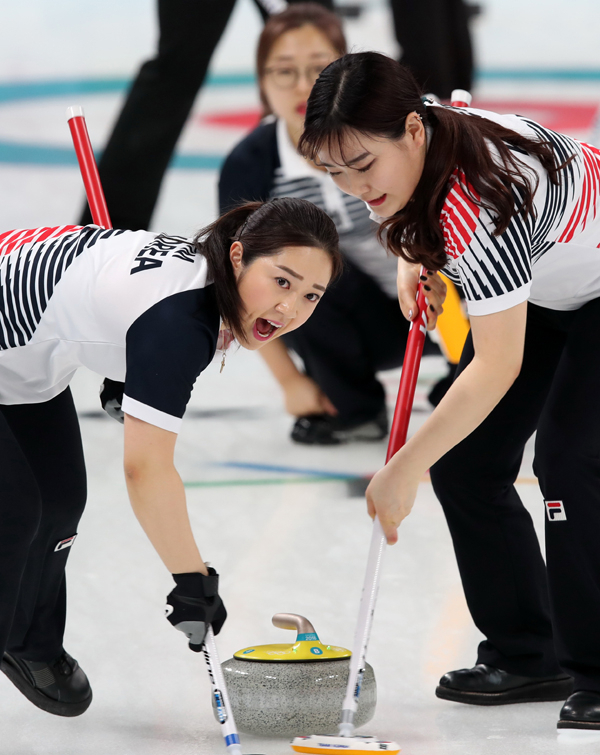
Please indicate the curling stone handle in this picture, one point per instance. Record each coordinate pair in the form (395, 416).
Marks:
(293, 621)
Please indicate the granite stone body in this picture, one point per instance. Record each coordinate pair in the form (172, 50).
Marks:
(294, 699)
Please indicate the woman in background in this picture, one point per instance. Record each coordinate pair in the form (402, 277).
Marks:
(359, 327)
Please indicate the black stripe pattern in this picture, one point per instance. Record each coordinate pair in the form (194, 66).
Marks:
(558, 195)
(28, 276)
(352, 218)
(490, 265)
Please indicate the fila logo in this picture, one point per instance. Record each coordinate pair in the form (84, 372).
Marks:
(62, 544)
(556, 511)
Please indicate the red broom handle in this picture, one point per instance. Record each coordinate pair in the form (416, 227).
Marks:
(88, 167)
(408, 378)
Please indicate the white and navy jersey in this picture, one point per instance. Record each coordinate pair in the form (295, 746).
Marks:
(552, 259)
(135, 307)
(265, 164)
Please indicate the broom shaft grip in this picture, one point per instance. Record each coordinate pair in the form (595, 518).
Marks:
(88, 167)
(221, 698)
(408, 378)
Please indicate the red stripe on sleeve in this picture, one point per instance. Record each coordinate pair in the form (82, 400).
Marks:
(586, 206)
(459, 215)
(10, 240)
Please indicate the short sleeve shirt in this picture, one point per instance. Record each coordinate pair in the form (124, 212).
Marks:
(133, 306)
(551, 259)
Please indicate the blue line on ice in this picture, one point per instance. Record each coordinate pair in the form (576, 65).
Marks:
(292, 470)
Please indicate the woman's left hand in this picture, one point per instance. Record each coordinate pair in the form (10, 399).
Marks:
(409, 277)
(391, 495)
(435, 294)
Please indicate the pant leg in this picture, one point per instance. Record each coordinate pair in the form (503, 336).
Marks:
(461, 46)
(355, 330)
(568, 466)
(325, 3)
(436, 43)
(20, 513)
(143, 140)
(497, 551)
(158, 104)
(49, 438)
(329, 4)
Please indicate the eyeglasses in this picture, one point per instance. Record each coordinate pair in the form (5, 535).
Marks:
(288, 77)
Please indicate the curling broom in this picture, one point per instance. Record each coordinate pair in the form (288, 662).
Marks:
(100, 216)
(346, 742)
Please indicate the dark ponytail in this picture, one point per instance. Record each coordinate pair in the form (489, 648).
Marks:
(263, 229)
(372, 94)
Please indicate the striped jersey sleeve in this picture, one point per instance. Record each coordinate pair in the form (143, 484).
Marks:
(494, 271)
(32, 263)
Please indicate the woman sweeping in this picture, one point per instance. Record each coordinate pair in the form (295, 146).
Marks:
(148, 310)
(509, 210)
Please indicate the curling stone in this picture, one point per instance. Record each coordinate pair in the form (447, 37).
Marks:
(297, 689)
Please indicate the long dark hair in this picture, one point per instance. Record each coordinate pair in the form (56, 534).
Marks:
(372, 94)
(263, 229)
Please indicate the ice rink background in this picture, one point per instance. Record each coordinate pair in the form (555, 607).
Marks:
(282, 537)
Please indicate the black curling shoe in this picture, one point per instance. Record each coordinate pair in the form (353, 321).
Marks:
(486, 685)
(581, 711)
(59, 686)
(325, 430)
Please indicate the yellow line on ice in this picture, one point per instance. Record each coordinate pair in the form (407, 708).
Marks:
(338, 751)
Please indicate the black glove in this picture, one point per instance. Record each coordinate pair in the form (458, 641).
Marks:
(111, 398)
(194, 604)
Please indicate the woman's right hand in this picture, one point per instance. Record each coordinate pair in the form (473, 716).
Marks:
(409, 277)
(194, 604)
(391, 494)
(304, 397)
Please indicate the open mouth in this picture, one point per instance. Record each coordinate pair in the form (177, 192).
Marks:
(263, 329)
(378, 201)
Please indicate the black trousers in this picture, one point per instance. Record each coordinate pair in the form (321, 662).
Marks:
(42, 497)
(158, 104)
(356, 330)
(436, 43)
(535, 618)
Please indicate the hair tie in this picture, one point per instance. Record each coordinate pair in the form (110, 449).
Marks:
(430, 100)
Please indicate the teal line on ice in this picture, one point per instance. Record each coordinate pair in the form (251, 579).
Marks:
(267, 481)
(19, 153)
(308, 475)
(38, 154)
(322, 473)
(540, 74)
(34, 90)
